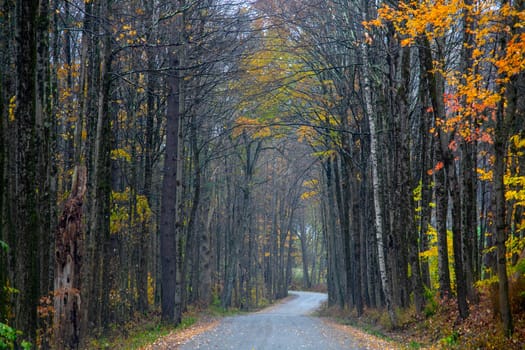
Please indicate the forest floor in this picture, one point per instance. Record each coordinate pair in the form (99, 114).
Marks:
(440, 328)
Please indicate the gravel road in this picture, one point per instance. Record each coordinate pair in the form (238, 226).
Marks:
(284, 326)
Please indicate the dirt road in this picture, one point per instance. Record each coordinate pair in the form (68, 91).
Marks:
(284, 326)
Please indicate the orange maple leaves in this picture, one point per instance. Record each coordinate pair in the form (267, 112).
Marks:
(472, 96)
(474, 87)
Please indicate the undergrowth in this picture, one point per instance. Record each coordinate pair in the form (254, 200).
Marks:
(439, 326)
(138, 333)
(146, 329)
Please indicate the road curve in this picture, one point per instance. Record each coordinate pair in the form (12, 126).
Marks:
(284, 326)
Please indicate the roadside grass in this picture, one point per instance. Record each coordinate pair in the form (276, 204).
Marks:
(145, 330)
(348, 318)
(140, 332)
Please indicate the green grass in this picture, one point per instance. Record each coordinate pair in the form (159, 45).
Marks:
(414, 345)
(135, 335)
(374, 331)
(140, 335)
(215, 308)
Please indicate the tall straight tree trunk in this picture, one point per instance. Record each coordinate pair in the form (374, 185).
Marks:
(468, 168)
(193, 240)
(378, 212)
(445, 289)
(102, 184)
(436, 88)
(205, 285)
(231, 244)
(332, 240)
(45, 135)
(469, 221)
(86, 82)
(170, 223)
(506, 118)
(407, 184)
(501, 226)
(151, 8)
(350, 238)
(25, 207)
(168, 214)
(426, 189)
(342, 190)
(89, 81)
(3, 187)
(358, 250)
(182, 35)
(457, 241)
(433, 83)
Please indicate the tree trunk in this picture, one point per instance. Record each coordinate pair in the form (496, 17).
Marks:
(426, 189)
(367, 94)
(342, 190)
(457, 243)
(407, 184)
(433, 83)
(332, 241)
(68, 262)
(468, 167)
(98, 302)
(501, 228)
(205, 285)
(505, 118)
(45, 123)
(168, 214)
(25, 207)
(357, 254)
(445, 289)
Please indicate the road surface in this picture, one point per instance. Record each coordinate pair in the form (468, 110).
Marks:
(284, 326)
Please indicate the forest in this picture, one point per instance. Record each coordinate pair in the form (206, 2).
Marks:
(161, 155)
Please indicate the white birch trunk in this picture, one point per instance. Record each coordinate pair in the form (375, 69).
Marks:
(378, 219)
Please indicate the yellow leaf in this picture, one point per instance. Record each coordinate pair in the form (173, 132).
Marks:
(12, 107)
(308, 195)
(120, 153)
(262, 133)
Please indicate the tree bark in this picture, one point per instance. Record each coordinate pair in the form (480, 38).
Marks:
(68, 262)
(407, 184)
(506, 118)
(25, 208)
(168, 214)
(433, 83)
(445, 289)
(378, 212)
(332, 237)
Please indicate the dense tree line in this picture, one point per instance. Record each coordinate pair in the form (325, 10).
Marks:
(125, 188)
(161, 154)
(414, 110)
